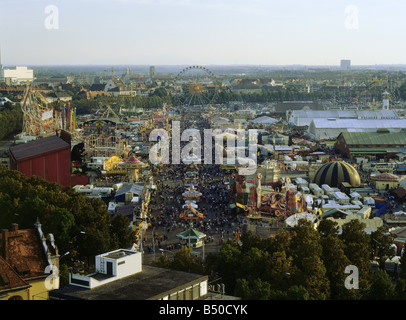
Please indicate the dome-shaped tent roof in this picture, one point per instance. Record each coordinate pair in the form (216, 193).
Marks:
(335, 172)
(133, 160)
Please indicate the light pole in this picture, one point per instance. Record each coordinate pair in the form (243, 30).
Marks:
(166, 251)
(153, 241)
(65, 254)
(203, 250)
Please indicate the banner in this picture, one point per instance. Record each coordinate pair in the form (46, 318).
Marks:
(47, 115)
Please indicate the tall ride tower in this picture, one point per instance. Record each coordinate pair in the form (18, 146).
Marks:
(385, 101)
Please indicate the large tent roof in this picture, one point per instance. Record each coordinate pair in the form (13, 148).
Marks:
(295, 218)
(374, 138)
(264, 119)
(133, 188)
(192, 234)
(346, 114)
(335, 172)
(358, 124)
(386, 176)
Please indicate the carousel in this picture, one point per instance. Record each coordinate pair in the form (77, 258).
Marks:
(191, 194)
(113, 165)
(133, 167)
(191, 178)
(190, 213)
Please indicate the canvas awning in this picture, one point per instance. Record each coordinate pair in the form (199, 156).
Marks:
(191, 234)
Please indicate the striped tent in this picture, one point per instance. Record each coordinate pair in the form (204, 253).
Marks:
(335, 172)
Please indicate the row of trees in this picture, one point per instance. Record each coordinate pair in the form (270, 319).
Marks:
(11, 119)
(162, 96)
(402, 91)
(270, 95)
(81, 225)
(303, 263)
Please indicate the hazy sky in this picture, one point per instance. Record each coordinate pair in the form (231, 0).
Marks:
(157, 32)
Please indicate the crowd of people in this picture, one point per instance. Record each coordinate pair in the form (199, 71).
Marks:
(213, 202)
(211, 182)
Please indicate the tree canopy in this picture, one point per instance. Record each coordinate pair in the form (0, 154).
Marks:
(303, 263)
(80, 225)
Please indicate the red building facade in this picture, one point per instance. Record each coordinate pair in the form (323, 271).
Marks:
(48, 158)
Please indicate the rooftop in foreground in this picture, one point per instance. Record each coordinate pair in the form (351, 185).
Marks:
(152, 283)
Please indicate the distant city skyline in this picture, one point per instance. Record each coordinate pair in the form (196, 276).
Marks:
(205, 32)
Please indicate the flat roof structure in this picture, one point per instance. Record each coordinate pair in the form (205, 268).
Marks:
(152, 283)
(38, 147)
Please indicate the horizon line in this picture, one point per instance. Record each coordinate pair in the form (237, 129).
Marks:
(212, 64)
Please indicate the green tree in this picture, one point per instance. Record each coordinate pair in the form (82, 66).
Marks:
(8, 105)
(252, 290)
(11, 120)
(160, 92)
(304, 242)
(298, 293)
(306, 251)
(30, 210)
(328, 227)
(59, 222)
(402, 91)
(63, 275)
(78, 152)
(381, 244)
(381, 287)
(400, 289)
(279, 243)
(8, 210)
(357, 247)
(250, 240)
(121, 232)
(335, 262)
(79, 224)
(313, 277)
(253, 263)
(402, 273)
(162, 262)
(227, 264)
(184, 260)
(279, 270)
(242, 289)
(294, 293)
(260, 290)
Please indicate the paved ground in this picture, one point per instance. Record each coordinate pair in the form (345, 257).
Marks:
(170, 244)
(211, 247)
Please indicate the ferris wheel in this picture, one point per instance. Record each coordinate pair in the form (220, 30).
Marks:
(197, 86)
